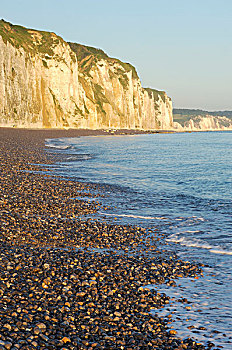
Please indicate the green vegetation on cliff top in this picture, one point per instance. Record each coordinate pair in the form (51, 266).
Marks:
(83, 51)
(36, 41)
(88, 56)
(156, 94)
(33, 41)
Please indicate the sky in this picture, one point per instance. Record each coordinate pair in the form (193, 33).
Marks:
(181, 46)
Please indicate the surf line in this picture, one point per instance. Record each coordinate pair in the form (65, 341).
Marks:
(135, 216)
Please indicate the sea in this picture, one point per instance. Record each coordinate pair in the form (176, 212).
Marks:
(180, 184)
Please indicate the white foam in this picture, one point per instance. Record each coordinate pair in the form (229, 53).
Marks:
(190, 219)
(225, 252)
(51, 144)
(82, 157)
(197, 243)
(57, 146)
(136, 216)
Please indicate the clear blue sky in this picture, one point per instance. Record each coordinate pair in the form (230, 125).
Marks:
(181, 46)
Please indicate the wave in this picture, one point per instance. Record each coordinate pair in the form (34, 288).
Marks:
(189, 231)
(136, 216)
(55, 144)
(78, 157)
(221, 251)
(197, 243)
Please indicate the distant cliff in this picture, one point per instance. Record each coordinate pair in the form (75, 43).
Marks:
(47, 82)
(205, 123)
(200, 120)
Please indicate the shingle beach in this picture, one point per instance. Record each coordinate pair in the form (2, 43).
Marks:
(71, 282)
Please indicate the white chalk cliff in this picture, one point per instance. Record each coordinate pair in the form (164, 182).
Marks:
(205, 123)
(47, 82)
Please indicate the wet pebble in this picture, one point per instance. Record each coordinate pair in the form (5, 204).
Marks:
(72, 283)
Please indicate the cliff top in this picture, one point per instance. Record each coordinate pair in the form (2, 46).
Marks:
(31, 40)
(88, 56)
(44, 43)
(183, 115)
(196, 112)
(156, 93)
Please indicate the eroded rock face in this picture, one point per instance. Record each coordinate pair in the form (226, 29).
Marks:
(205, 123)
(38, 89)
(46, 82)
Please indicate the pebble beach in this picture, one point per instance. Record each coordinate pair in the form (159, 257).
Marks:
(67, 280)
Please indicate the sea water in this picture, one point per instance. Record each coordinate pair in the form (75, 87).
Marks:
(181, 184)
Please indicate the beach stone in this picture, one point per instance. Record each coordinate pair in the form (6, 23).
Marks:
(8, 345)
(37, 330)
(7, 326)
(41, 326)
(44, 337)
(76, 275)
(66, 340)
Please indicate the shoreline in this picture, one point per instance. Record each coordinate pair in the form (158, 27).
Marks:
(59, 132)
(70, 283)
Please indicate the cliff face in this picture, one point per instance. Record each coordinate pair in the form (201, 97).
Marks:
(201, 120)
(38, 79)
(46, 82)
(205, 123)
